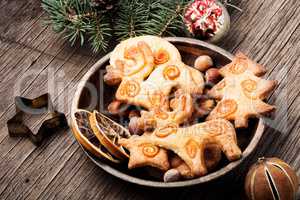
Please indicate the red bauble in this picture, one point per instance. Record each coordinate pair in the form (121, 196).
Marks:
(207, 20)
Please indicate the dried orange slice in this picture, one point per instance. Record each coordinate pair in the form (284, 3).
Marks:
(84, 134)
(108, 133)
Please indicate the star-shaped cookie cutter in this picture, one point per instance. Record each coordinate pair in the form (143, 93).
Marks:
(42, 105)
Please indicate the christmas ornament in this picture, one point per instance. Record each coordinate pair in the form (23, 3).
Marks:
(207, 20)
(271, 179)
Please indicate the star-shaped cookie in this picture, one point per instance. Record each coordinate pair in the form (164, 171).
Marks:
(241, 92)
(143, 153)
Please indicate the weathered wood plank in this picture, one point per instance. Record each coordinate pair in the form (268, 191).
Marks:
(67, 68)
(268, 31)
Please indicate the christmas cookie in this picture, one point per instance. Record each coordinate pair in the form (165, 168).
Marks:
(241, 92)
(162, 50)
(137, 57)
(212, 155)
(154, 92)
(143, 153)
(159, 117)
(139, 65)
(189, 143)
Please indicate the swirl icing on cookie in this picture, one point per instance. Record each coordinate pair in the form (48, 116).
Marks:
(164, 131)
(242, 96)
(189, 143)
(150, 150)
(161, 56)
(171, 72)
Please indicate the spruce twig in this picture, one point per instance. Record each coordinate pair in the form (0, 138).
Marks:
(167, 18)
(82, 21)
(79, 20)
(227, 3)
(131, 19)
(100, 33)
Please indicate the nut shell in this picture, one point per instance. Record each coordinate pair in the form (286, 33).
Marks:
(172, 175)
(202, 63)
(133, 113)
(271, 178)
(212, 76)
(117, 107)
(134, 126)
(204, 107)
(112, 77)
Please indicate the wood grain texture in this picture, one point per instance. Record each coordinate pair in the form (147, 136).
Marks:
(267, 30)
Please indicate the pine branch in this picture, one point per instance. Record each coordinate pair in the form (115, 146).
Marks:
(227, 3)
(167, 18)
(100, 33)
(82, 21)
(79, 20)
(133, 17)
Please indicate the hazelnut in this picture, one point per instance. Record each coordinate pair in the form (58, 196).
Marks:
(135, 127)
(212, 76)
(206, 91)
(213, 155)
(271, 178)
(175, 161)
(205, 107)
(133, 113)
(202, 63)
(116, 108)
(112, 79)
(172, 175)
(113, 76)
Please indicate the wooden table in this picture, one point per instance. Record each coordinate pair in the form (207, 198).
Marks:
(35, 60)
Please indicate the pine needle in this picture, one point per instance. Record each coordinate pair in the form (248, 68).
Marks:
(81, 21)
(167, 18)
(131, 19)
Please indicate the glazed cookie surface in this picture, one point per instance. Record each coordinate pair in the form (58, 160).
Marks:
(163, 51)
(189, 143)
(241, 92)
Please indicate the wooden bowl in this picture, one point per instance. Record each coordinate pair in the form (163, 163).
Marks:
(92, 94)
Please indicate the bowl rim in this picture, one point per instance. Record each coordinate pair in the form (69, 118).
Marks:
(158, 184)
